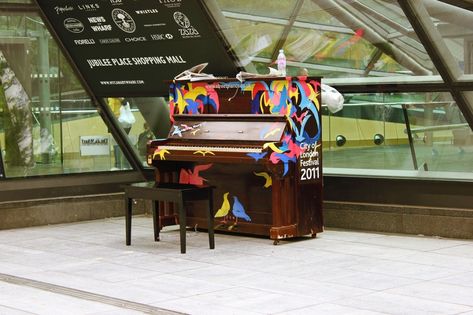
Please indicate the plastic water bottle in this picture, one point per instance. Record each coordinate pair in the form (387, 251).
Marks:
(282, 63)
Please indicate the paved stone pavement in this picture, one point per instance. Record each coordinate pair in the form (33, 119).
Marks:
(85, 268)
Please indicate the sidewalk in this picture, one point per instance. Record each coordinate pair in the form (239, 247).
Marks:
(85, 268)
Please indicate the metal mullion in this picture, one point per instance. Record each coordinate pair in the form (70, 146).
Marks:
(380, 31)
(287, 29)
(438, 52)
(374, 58)
(18, 8)
(373, 14)
(465, 4)
(347, 18)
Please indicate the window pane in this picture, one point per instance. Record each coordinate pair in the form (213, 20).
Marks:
(343, 39)
(276, 9)
(371, 133)
(150, 120)
(455, 26)
(49, 124)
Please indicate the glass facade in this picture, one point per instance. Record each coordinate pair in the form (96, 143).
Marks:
(368, 49)
(49, 123)
(362, 45)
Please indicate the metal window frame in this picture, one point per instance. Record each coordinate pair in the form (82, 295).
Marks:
(439, 53)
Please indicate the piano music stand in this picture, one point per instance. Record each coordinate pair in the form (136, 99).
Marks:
(170, 192)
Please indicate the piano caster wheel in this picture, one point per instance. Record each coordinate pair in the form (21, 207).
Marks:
(314, 235)
(276, 242)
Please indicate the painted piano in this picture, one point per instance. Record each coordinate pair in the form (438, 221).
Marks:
(258, 142)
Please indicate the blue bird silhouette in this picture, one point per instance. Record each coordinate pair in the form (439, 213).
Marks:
(177, 131)
(238, 210)
(257, 155)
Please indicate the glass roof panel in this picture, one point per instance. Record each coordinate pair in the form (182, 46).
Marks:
(276, 9)
(357, 38)
(310, 9)
(254, 38)
(455, 25)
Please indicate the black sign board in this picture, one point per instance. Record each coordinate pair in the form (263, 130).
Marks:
(129, 47)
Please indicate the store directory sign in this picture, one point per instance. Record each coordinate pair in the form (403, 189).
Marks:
(130, 47)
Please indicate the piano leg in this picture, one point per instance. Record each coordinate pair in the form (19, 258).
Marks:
(283, 222)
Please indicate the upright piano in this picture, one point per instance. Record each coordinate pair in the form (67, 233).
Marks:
(258, 142)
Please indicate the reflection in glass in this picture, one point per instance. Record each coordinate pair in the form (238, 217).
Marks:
(454, 25)
(49, 125)
(276, 9)
(330, 39)
(151, 120)
(440, 134)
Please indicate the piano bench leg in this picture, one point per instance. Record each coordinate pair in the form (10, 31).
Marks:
(210, 229)
(182, 226)
(156, 219)
(128, 214)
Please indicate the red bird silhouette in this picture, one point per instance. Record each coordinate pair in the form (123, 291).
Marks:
(192, 176)
(299, 118)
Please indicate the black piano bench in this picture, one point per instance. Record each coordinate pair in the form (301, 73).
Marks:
(170, 192)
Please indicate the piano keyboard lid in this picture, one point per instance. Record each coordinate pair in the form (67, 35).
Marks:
(227, 127)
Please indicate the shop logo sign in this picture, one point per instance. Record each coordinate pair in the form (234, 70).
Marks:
(60, 10)
(73, 25)
(123, 20)
(100, 26)
(186, 30)
(161, 36)
(109, 41)
(181, 19)
(88, 7)
(147, 11)
(171, 3)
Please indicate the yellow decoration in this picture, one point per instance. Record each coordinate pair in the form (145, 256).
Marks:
(272, 146)
(271, 133)
(225, 208)
(204, 152)
(161, 154)
(269, 180)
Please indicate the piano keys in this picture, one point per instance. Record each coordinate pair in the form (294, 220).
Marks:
(220, 137)
(258, 142)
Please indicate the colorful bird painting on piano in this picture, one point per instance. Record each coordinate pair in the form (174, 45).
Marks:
(161, 153)
(193, 177)
(224, 210)
(267, 177)
(190, 98)
(203, 152)
(257, 155)
(235, 211)
(277, 98)
(239, 211)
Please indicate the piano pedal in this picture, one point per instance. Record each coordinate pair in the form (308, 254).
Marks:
(195, 228)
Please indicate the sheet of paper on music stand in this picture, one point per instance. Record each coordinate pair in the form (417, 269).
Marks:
(195, 73)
